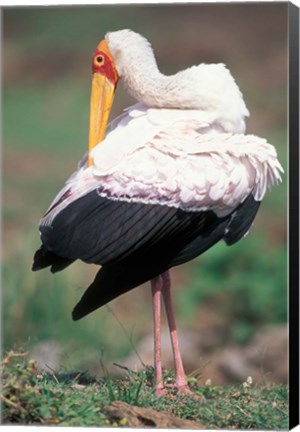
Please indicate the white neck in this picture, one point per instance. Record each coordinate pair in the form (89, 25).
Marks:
(149, 85)
(205, 87)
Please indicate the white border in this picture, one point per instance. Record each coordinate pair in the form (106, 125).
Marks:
(118, 2)
(13, 3)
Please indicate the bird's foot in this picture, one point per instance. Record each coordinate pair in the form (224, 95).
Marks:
(161, 391)
(181, 390)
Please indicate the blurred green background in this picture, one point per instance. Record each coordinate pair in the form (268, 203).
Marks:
(47, 55)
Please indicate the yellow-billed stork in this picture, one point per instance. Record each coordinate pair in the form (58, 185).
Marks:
(172, 176)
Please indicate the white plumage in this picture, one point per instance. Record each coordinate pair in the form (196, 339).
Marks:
(193, 159)
(208, 88)
(182, 164)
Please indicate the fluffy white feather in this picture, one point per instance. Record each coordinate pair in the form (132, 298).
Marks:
(148, 158)
(199, 170)
(182, 145)
(208, 88)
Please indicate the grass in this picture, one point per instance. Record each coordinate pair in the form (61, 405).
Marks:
(239, 286)
(39, 307)
(79, 399)
(52, 122)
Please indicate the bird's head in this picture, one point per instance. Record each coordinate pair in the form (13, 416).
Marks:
(104, 83)
(122, 53)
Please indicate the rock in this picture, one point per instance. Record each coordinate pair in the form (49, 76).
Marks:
(47, 355)
(133, 416)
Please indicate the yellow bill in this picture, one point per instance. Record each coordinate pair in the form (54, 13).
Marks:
(104, 83)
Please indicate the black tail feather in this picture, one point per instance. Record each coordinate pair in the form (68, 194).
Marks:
(241, 220)
(44, 258)
(110, 282)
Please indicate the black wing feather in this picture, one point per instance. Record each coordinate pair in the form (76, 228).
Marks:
(84, 231)
(134, 242)
(110, 282)
(241, 220)
(43, 258)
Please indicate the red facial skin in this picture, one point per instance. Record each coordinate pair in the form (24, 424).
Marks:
(105, 66)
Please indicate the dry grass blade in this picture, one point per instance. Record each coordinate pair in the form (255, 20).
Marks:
(13, 404)
(11, 354)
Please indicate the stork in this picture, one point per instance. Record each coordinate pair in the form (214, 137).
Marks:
(166, 180)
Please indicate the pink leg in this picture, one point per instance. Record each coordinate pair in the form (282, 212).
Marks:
(180, 380)
(156, 287)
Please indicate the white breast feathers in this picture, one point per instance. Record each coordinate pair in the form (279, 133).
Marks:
(174, 158)
(185, 164)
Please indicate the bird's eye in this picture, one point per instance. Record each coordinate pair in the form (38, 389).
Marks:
(99, 59)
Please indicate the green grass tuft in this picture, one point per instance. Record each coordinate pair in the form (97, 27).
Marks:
(78, 399)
